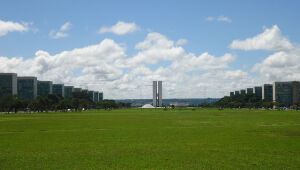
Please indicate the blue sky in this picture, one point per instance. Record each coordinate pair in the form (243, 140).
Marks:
(197, 22)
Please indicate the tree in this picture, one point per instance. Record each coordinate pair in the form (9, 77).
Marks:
(8, 103)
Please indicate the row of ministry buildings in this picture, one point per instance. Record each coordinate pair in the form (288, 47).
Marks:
(28, 88)
(284, 93)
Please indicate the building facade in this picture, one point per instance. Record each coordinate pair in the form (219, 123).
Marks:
(267, 92)
(160, 104)
(236, 92)
(154, 94)
(257, 91)
(58, 89)
(157, 94)
(44, 88)
(96, 96)
(85, 91)
(8, 84)
(231, 94)
(286, 93)
(91, 95)
(27, 88)
(242, 92)
(100, 96)
(249, 90)
(68, 90)
(77, 89)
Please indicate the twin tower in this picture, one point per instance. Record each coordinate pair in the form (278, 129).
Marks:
(157, 93)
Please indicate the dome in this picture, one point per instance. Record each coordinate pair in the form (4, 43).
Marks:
(147, 106)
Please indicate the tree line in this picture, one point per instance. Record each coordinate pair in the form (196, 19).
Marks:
(76, 102)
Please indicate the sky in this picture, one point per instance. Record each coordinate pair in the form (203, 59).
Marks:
(198, 49)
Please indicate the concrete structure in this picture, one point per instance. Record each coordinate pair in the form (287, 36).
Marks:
(160, 104)
(249, 90)
(257, 91)
(68, 90)
(96, 96)
(91, 95)
(267, 92)
(157, 93)
(27, 88)
(242, 92)
(8, 84)
(58, 89)
(231, 94)
(85, 91)
(100, 96)
(178, 105)
(286, 93)
(296, 92)
(77, 89)
(44, 88)
(147, 106)
(236, 92)
(154, 94)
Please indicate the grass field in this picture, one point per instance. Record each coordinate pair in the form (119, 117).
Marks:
(151, 139)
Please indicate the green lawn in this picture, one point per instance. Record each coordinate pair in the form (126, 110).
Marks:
(151, 139)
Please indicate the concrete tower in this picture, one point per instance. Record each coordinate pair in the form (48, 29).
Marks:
(157, 93)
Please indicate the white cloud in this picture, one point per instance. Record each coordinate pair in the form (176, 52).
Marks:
(66, 26)
(178, 82)
(283, 65)
(106, 66)
(120, 28)
(62, 31)
(271, 39)
(220, 18)
(56, 35)
(205, 61)
(141, 70)
(181, 42)
(9, 26)
(95, 61)
(280, 66)
(155, 48)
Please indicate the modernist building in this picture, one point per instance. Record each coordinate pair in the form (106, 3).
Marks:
(267, 92)
(85, 91)
(68, 91)
(249, 90)
(27, 88)
(160, 93)
(100, 96)
(242, 92)
(286, 93)
(236, 92)
(296, 92)
(77, 90)
(257, 91)
(96, 96)
(231, 94)
(91, 95)
(8, 84)
(157, 93)
(44, 88)
(58, 89)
